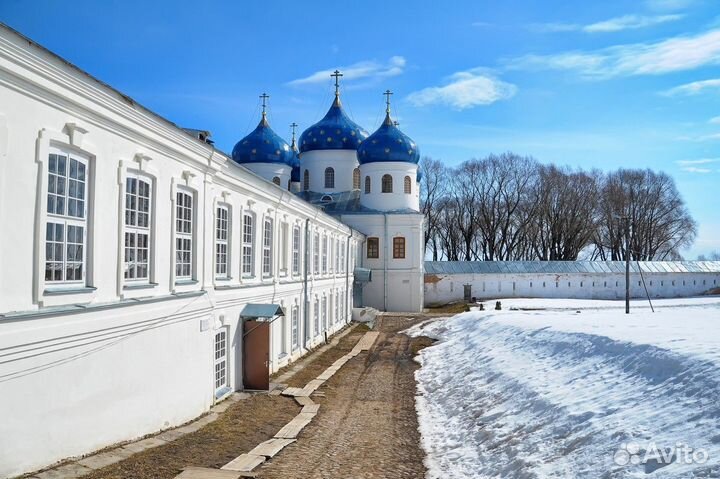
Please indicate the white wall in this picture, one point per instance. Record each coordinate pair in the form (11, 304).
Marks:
(316, 161)
(270, 171)
(440, 289)
(103, 362)
(396, 200)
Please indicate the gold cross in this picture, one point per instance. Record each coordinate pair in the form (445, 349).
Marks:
(264, 97)
(337, 76)
(387, 100)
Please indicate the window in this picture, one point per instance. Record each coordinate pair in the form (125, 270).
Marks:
(367, 185)
(283, 333)
(316, 316)
(387, 184)
(294, 328)
(324, 313)
(325, 254)
(222, 226)
(399, 247)
(373, 248)
(306, 180)
(356, 179)
(183, 235)
(137, 228)
(316, 253)
(267, 248)
(276, 180)
(337, 255)
(247, 245)
(342, 257)
(65, 232)
(284, 248)
(337, 306)
(296, 250)
(220, 360)
(408, 185)
(329, 178)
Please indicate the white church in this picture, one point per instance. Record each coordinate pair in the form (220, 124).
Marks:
(146, 275)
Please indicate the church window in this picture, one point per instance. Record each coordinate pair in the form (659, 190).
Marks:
(267, 247)
(373, 248)
(276, 180)
(247, 245)
(183, 235)
(66, 228)
(408, 185)
(137, 228)
(387, 184)
(367, 185)
(306, 180)
(222, 228)
(399, 247)
(329, 178)
(296, 250)
(356, 179)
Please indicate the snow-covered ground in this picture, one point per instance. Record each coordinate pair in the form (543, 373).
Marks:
(573, 388)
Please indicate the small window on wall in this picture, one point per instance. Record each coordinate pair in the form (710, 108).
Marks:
(387, 184)
(276, 180)
(267, 264)
(296, 250)
(221, 375)
(66, 228)
(137, 228)
(294, 328)
(373, 248)
(367, 185)
(222, 227)
(407, 185)
(329, 178)
(356, 179)
(183, 235)
(399, 247)
(306, 180)
(248, 264)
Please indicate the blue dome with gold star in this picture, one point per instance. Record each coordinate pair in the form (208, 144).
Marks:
(263, 145)
(388, 143)
(336, 131)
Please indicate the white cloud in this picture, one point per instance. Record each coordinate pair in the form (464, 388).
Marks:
(625, 22)
(701, 161)
(463, 90)
(694, 88)
(694, 169)
(715, 120)
(361, 70)
(671, 55)
(665, 5)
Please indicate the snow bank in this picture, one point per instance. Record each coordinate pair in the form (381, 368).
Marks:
(556, 393)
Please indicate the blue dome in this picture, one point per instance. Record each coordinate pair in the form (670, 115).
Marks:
(388, 143)
(334, 132)
(295, 162)
(262, 145)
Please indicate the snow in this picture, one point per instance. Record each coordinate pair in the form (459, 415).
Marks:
(555, 390)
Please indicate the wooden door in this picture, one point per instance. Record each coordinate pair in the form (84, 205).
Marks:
(256, 355)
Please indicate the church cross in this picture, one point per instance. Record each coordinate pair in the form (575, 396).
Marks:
(264, 98)
(387, 100)
(293, 125)
(337, 76)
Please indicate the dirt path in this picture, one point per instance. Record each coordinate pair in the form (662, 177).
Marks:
(367, 426)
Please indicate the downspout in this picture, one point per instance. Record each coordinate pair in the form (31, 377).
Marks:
(347, 276)
(385, 263)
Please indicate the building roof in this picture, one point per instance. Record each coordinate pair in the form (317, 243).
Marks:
(562, 267)
(262, 145)
(346, 202)
(388, 143)
(336, 131)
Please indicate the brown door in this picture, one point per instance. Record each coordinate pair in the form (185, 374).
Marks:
(256, 355)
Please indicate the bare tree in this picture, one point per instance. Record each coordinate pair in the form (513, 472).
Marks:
(433, 185)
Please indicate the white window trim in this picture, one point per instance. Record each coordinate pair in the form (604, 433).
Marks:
(248, 245)
(150, 230)
(267, 248)
(296, 249)
(220, 389)
(294, 328)
(191, 276)
(218, 241)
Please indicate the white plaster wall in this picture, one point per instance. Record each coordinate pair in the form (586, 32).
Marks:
(396, 200)
(403, 290)
(82, 371)
(342, 161)
(270, 171)
(441, 289)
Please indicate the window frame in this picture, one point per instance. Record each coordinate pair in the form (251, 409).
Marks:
(220, 242)
(368, 185)
(356, 179)
(386, 183)
(247, 245)
(137, 230)
(324, 254)
(407, 185)
(296, 251)
(267, 247)
(316, 253)
(330, 177)
(294, 328)
(276, 180)
(306, 180)
(184, 236)
(372, 246)
(220, 360)
(399, 250)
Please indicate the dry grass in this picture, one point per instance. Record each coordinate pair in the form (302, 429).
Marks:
(451, 308)
(419, 343)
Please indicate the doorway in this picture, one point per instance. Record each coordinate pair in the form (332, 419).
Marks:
(256, 355)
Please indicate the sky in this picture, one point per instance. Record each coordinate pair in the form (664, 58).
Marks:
(588, 84)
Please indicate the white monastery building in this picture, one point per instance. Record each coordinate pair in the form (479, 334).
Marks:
(145, 275)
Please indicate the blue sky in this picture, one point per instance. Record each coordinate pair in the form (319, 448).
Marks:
(589, 84)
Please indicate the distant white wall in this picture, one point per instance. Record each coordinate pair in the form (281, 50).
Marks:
(343, 162)
(270, 171)
(396, 200)
(444, 288)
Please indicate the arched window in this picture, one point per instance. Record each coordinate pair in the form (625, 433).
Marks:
(408, 185)
(367, 184)
(306, 180)
(387, 184)
(329, 178)
(276, 180)
(356, 179)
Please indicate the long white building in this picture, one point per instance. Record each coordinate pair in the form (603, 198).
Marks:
(134, 255)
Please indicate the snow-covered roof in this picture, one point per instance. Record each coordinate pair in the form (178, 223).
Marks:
(558, 267)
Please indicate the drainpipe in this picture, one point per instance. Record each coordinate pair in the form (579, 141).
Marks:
(347, 276)
(306, 319)
(385, 263)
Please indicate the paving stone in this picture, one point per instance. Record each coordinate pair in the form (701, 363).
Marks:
(293, 428)
(98, 461)
(311, 408)
(244, 462)
(304, 400)
(143, 445)
(239, 396)
(206, 473)
(68, 471)
(171, 435)
(271, 447)
(221, 407)
(312, 386)
(294, 392)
